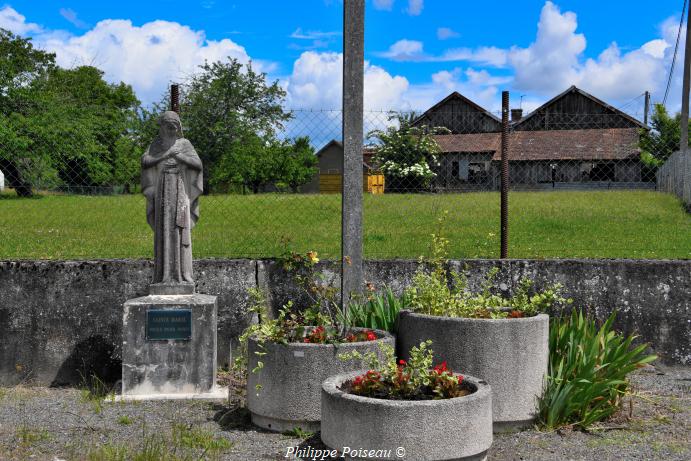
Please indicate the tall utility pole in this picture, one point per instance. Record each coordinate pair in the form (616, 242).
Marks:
(504, 251)
(684, 143)
(646, 108)
(352, 276)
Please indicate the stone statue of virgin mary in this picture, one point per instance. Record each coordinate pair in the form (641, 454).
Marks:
(172, 184)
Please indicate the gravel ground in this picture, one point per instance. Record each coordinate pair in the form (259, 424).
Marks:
(56, 424)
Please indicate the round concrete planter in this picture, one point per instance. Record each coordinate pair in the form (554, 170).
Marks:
(291, 380)
(510, 354)
(459, 428)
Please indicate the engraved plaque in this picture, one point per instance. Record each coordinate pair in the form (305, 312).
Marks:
(167, 324)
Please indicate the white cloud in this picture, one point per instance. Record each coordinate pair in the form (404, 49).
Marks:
(71, 16)
(16, 23)
(555, 61)
(553, 58)
(405, 50)
(383, 4)
(316, 83)
(415, 7)
(312, 34)
(148, 57)
(656, 48)
(412, 50)
(445, 33)
(486, 55)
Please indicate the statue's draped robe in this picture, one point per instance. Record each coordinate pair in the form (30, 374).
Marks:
(172, 189)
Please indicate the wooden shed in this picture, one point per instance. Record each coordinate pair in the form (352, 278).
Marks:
(329, 179)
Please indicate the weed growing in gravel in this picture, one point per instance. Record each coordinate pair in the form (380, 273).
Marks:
(298, 433)
(153, 448)
(125, 420)
(195, 437)
(94, 392)
(28, 436)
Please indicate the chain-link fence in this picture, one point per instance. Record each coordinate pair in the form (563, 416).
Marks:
(582, 181)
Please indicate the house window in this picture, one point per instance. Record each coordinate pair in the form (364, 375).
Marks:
(477, 173)
(455, 169)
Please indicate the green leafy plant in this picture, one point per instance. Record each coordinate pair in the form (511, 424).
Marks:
(379, 311)
(415, 379)
(588, 368)
(438, 291)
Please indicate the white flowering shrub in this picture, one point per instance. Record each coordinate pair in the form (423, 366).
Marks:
(406, 154)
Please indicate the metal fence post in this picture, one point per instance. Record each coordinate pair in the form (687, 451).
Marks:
(175, 98)
(504, 174)
(352, 277)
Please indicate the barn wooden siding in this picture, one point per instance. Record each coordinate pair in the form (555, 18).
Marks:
(460, 115)
(575, 110)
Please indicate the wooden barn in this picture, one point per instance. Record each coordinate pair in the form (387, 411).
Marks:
(459, 115)
(329, 178)
(573, 140)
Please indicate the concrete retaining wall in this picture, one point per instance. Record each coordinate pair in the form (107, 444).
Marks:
(62, 319)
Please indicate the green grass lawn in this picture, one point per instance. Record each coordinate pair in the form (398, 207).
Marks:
(603, 224)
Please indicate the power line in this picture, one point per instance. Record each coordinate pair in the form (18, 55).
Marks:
(674, 58)
(631, 101)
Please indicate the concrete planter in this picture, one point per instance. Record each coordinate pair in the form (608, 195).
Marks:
(459, 428)
(291, 380)
(510, 354)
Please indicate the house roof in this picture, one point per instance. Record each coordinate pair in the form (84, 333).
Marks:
(574, 89)
(368, 153)
(599, 144)
(456, 95)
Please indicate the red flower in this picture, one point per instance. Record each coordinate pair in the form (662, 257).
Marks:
(306, 340)
(439, 369)
(371, 336)
(401, 362)
(460, 379)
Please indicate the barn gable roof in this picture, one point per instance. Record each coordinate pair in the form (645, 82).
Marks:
(456, 96)
(575, 89)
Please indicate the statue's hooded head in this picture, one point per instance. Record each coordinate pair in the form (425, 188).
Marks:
(169, 125)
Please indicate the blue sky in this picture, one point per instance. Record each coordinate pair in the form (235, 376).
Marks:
(417, 50)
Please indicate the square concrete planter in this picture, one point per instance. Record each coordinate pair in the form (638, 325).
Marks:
(292, 376)
(510, 354)
(458, 428)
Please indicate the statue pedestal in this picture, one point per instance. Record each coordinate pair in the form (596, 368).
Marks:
(169, 348)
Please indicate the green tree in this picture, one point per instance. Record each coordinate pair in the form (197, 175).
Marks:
(227, 110)
(21, 67)
(297, 162)
(406, 154)
(663, 139)
(94, 146)
(62, 127)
